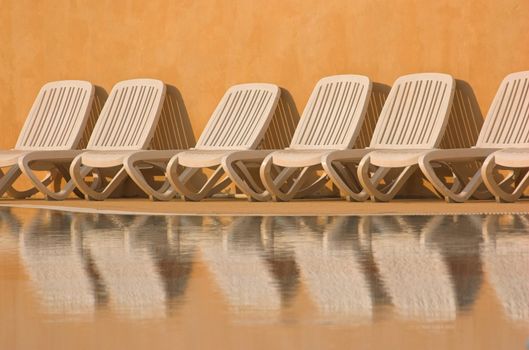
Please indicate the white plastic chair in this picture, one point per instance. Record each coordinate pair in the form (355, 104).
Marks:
(232, 134)
(50, 137)
(127, 124)
(332, 120)
(412, 122)
(505, 131)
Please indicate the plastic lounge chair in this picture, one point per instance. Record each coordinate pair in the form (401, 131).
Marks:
(254, 105)
(128, 123)
(53, 129)
(332, 120)
(506, 125)
(514, 138)
(411, 123)
(233, 134)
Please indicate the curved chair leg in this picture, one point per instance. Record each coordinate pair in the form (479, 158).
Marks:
(274, 185)
(7, 179)
(370, 183)
(79, 172)
(247, 185)
(66, 175)
(42, 184)
(314, 186)
(450, 194)
(165, 193)
(487, 172)
(236, 169)
(17, 194)
(350, 193)
(179, 180)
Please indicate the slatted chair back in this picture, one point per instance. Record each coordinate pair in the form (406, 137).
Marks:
(241, 118)
(130, 116)
(379, 94)
(283, 124)
(507, 122)
(415, 113)
(58, 116)
(174, 129)
(334, 114)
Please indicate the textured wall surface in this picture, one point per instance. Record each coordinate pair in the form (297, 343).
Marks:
(202, 47)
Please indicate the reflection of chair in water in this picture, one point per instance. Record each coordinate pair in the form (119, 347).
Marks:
(505, 256)
(8, 221)
(142, 262)
(234, 255)
(415, 274)
(51, 252)
(9, 227)
(335, 264)
(458, 240)
(175, 254)
(280, 255)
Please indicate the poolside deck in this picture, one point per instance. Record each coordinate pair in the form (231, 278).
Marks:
(305, 207)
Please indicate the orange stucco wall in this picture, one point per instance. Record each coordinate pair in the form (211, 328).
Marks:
(202, 47)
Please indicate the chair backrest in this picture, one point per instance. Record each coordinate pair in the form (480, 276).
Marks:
(58, 116)
(507, 122)
(334, 113)
(241, 118)
(174, 129)
(415, 113)
(130, 116)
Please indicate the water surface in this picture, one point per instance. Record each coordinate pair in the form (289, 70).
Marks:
(72, 280)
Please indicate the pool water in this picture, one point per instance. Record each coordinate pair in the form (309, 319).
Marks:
(87, 281)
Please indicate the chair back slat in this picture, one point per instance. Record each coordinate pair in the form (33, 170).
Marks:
(174, 127)
(283, 123)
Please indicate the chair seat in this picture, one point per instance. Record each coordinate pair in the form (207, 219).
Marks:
(10, 157)
(396, 158)
(298, 157)
(103, 159)
(197, 158)
(512, 157)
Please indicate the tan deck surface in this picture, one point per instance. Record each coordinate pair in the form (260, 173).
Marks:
(243, 207)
